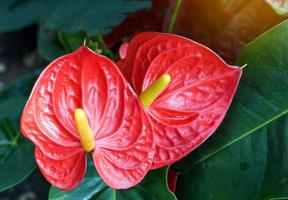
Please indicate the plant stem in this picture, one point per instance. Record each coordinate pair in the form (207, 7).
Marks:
(174, 16)
(14, 142)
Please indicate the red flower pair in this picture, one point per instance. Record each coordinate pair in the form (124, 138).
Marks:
(128, 140)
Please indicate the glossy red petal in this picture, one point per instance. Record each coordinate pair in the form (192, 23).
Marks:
(41, 103)
(64, 174)
(126, 64)
(124, 146)
(196, 100)
(205, 103)
(103, 94)
(150, 50)
(67, 95)
(126, 165)
(202, 89)
(164, 60)
(58, 153)
(121, 128)
(49, 148)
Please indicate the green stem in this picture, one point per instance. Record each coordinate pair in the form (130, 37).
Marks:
(174, 16)
(15, 140)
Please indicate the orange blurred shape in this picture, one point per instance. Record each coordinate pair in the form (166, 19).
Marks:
(225, 25)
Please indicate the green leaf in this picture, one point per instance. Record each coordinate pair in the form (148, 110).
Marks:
(48, 44)
(71, 41)
(262, 98)
(16, 153)
(254, 168)
(94, 17)
(153, 187)
(53, 44)
(19, 88)
(17, 14)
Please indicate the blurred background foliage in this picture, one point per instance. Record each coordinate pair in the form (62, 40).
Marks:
(34, 32)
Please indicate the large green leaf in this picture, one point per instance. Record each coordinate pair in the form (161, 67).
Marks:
(48, 44)
(19, 88)
(262, 98)
(17, 14)
(95, 17)
(254, 168)
(53, 44)
(16, 153)
(153, 187)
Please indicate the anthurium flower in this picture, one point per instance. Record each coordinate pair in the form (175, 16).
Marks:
(81, 103)
(195, 89)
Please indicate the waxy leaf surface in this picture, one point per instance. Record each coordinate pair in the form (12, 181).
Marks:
(92, 17)
(16, 153)
(122, 132)
(196, 100)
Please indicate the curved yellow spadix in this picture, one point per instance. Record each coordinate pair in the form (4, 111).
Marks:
(154, 90)
(84, 130)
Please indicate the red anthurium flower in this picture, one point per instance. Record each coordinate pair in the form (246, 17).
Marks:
(195, 101)
(82, 103)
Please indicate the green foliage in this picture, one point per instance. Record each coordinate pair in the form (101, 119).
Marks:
(18, 14)
(63, 24)
(19, 88)
(153, 187)
(48, 44)
(246, 159)
(83, 19)
(16, 153)
(254, 168)
(94, 17)
(53, 44)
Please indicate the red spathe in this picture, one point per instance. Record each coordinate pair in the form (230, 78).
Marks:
(196, 100)
(124, 146)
